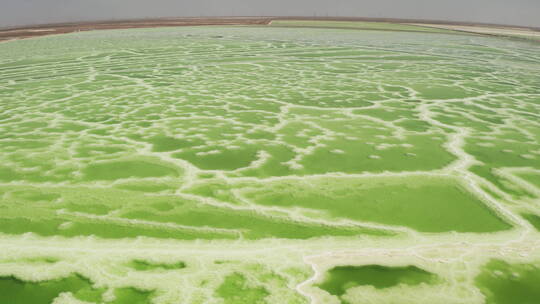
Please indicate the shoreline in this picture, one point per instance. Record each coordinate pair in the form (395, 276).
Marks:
(25, 32)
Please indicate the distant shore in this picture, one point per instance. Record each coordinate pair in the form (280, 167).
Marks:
(15, 33)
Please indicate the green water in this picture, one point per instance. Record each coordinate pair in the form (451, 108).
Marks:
(339, 279)
(142, 265)
(430, 205)
(131, 296)
(504, 283)
(14, 291)
(125, 169)
(533, 219)
(235, 289)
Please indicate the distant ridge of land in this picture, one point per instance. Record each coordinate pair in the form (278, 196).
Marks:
(31, 31)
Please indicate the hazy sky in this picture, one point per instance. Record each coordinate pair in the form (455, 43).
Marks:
(517, 12)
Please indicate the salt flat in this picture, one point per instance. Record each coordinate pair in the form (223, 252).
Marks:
(269, 164)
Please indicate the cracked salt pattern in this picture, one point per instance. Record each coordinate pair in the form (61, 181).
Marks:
(271, 152)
